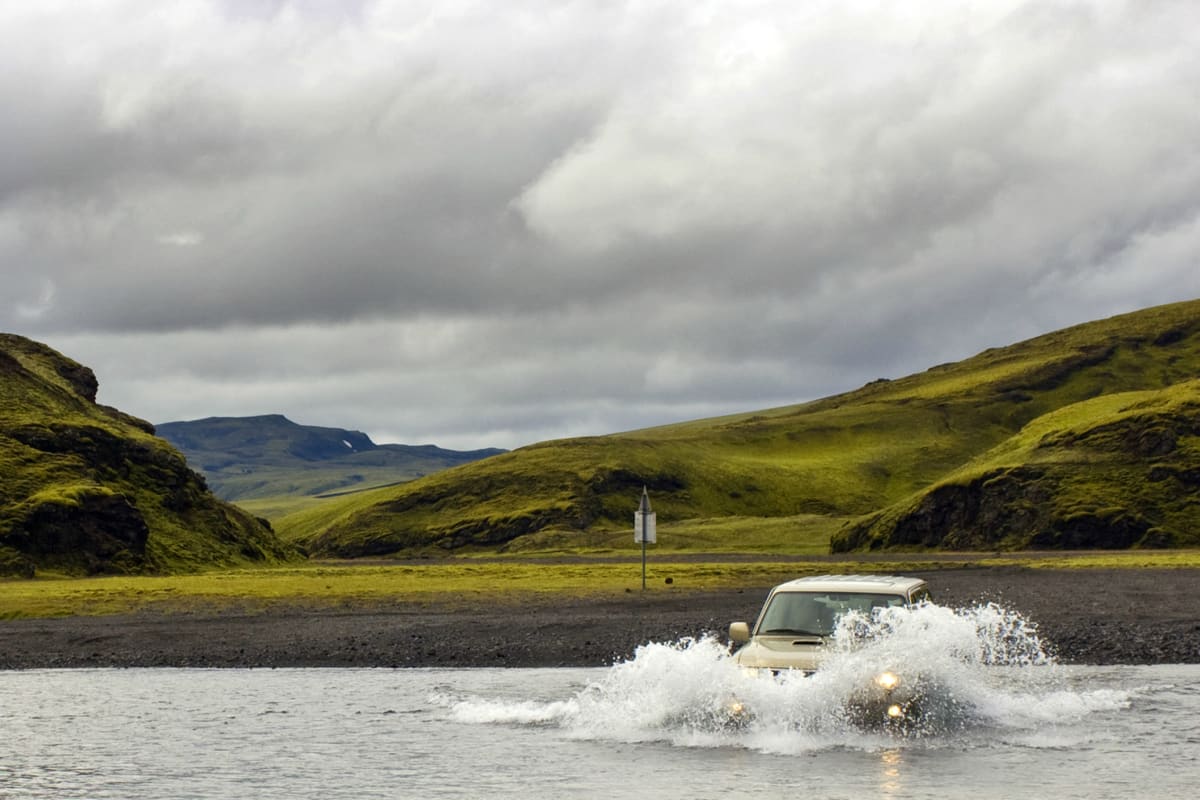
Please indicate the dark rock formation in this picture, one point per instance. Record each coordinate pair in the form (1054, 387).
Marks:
(89, 489)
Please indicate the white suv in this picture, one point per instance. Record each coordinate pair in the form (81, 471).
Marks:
(799, 616)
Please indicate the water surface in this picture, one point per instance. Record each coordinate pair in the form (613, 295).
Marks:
(650, 727)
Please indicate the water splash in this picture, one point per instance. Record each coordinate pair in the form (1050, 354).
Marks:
(984, 670)
(987, 634)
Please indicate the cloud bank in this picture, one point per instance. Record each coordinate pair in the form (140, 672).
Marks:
(490, 224)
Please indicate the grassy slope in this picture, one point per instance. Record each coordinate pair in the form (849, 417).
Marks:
(87, 488)
(845, 456)
(1114, 471)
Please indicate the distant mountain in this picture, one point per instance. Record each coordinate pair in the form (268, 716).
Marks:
(87, 489)
(251, 458)
(1085, 437)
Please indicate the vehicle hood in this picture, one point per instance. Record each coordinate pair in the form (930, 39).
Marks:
(780, 652)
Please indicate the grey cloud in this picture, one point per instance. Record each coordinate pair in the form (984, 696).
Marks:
(460, 222)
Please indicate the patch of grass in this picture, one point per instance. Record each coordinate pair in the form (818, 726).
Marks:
(799, 535)
(280, 506)
(338, 585)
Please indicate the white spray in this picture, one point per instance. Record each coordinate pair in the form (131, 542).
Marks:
(986, 665)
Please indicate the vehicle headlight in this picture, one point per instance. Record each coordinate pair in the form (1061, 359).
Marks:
(887, 681)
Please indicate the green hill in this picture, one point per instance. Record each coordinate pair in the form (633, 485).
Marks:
(87, 488)
(1117, 471)
(269, 463)
(862, 460)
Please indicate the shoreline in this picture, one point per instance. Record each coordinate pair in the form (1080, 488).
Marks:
(1088, 616)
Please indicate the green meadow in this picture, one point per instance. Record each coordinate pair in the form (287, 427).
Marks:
(463, 581)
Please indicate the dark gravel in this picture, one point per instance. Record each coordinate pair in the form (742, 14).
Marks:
(1087, 616)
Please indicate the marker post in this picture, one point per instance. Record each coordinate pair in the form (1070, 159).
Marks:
(644, 529)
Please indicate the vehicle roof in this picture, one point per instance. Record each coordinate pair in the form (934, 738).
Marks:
(851, 583)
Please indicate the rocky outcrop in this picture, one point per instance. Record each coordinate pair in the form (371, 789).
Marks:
(92, 533)
(1125, 480)
(89, 489)
(979, 515)
(1008, 509)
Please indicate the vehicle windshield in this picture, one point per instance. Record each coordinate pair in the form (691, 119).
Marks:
(816, 613)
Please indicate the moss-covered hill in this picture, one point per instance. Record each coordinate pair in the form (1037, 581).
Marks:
(86, 488)
(864, 460)
(1117, 471)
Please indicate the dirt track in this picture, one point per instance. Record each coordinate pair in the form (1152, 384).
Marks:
(1086, 616)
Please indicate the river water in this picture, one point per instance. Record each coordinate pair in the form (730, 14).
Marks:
(1021, 726)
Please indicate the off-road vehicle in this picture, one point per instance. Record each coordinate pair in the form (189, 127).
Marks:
(797, 621)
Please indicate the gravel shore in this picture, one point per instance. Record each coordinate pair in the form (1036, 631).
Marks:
(1122, 616)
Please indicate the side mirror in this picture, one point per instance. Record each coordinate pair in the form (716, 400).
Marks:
(739, 632)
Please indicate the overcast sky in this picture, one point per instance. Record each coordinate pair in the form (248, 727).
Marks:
(495, 223)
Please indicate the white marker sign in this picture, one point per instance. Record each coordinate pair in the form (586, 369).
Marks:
(643, 522)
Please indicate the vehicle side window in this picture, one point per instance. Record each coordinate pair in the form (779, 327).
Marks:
(921, 595)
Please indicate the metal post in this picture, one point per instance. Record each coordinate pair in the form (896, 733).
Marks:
(644, 517)
(644, 551)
